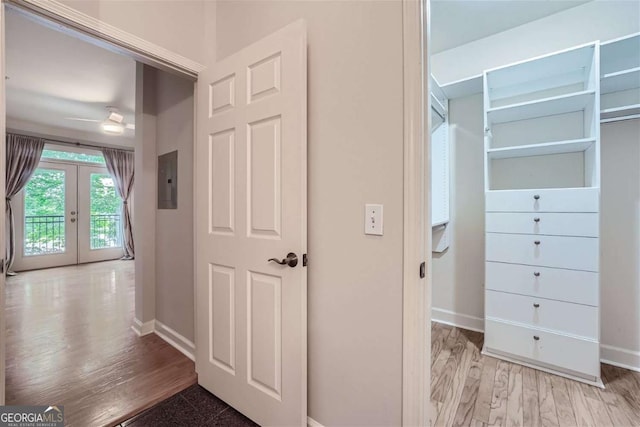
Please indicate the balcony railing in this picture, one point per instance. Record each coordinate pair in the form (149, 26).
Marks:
(106, 231)
(45, 234)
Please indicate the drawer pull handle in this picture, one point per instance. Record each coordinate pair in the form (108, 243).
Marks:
(536, 305)
(537, 274)
(537, 242)
(537, 197)
(536, 219)
(537, 338)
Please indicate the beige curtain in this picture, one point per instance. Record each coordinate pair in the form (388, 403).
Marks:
(120, 166)
(23, 156)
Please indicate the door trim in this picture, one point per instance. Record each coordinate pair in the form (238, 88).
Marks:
(416, 305)
(108, 36)
(3, 149)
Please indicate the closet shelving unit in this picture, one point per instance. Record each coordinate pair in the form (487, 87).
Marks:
(542, 198)
(620, 79)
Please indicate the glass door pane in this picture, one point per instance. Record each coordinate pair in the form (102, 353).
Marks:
(44, 213)
(105, 226)
(100, 220)
(46, 216)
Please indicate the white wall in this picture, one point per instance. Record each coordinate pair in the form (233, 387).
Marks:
(355, 156)
(620, 240)
(597, 20)
(174, 227)
(458, 273)
(176, 25)
(144, 228)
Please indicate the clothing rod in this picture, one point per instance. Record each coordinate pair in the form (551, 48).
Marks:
(80, 144)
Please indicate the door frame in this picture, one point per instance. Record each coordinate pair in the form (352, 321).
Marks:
(416, 291)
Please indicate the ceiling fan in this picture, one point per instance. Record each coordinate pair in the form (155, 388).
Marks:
(113, 125)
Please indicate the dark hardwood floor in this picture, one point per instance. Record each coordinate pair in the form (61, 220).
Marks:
(69, 342)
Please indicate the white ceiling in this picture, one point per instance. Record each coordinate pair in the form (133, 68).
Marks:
(457, 22)
(52, 76)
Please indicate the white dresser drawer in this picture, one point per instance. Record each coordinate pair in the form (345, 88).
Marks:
(556, 224)
(547, 200)
(579, 287)
(568, 353)
(563, 317)
(575, 253)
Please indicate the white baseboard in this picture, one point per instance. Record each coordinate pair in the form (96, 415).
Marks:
(313, 423)
(142, 329)
(179, 342)
(620, 357)
(463, 321)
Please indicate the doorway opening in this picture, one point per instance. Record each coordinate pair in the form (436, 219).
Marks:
(68, 213)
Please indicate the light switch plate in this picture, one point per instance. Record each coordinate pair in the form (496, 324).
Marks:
(373, 219)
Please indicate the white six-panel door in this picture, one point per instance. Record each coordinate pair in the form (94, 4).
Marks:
(251, 198)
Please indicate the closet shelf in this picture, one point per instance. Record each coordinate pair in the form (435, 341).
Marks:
(620, 80)
(551, 71)
(540, 108)
(558, 147)
(619, 113)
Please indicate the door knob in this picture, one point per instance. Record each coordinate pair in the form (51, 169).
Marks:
(291, 260)
(73, 212)
(73, 220)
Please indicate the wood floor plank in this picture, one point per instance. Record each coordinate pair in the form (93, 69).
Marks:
(579, 403)
(564, 407)
(599, 412)
(530, 399)
(69, 342)
(443, 383)
(485, 390)
(454, 392)
(498, 413)
(618, 407)
(435, 410)
(515, 414)
(589, 391)
(438, 340)
(626, 386)
(548, 411)
(464, 413)
(436, 372)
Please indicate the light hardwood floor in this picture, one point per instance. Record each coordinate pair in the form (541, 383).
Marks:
(69, 342)
(469, 389)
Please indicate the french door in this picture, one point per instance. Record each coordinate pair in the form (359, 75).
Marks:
(67, 214)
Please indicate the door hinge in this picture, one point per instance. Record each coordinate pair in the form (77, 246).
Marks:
(423, 267)
(304, 260)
